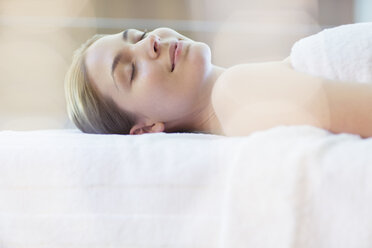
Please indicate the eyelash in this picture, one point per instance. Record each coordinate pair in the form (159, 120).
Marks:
(133, 67)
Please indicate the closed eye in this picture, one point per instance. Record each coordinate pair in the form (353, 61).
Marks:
(143, 35)
(133, 65)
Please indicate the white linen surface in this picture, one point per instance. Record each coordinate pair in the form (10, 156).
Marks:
(341, 53)
(284, 187)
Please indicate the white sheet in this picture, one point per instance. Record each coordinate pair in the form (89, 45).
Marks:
(284, 187)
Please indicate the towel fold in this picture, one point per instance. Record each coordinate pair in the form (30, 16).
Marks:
(343, 53)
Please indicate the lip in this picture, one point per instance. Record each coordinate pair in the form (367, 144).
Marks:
(175, 50)
(172, 50)
(177, 53)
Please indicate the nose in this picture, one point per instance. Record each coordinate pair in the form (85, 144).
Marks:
(152, 46)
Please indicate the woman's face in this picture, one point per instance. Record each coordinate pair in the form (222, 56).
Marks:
(136, 72)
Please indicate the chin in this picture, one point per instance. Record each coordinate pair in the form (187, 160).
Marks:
(200, 58)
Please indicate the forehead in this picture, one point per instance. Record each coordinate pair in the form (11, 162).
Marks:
(99, 57)
(108, 44)
(102, 50)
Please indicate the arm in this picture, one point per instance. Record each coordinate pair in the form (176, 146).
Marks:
(256, 97)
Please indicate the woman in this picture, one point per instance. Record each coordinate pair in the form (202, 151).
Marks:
(161, 81)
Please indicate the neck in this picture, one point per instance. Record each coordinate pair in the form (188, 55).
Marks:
(203, 118)
(208, 122)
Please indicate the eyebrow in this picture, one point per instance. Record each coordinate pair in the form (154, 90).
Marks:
(117, 58)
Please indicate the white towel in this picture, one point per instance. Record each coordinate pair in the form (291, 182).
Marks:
(343, 53)
(285, 187)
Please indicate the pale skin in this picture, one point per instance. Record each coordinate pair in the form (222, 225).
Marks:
(235, 101)
(276, 94)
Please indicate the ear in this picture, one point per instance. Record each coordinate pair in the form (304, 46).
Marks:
(143, 128)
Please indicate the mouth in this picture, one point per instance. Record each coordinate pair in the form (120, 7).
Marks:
(175, 53)
(172, 52)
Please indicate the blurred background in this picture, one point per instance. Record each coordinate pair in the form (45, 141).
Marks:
(38, 37)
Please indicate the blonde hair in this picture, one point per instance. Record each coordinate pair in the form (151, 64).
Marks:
(90, 111)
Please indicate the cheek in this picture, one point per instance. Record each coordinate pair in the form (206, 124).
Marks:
(152, 79)
(161, 101)
(152, 90)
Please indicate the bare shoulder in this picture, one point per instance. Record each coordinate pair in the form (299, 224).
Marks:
(244, 75)
(252, 97)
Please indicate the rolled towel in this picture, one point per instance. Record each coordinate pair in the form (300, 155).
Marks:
(342, 53)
